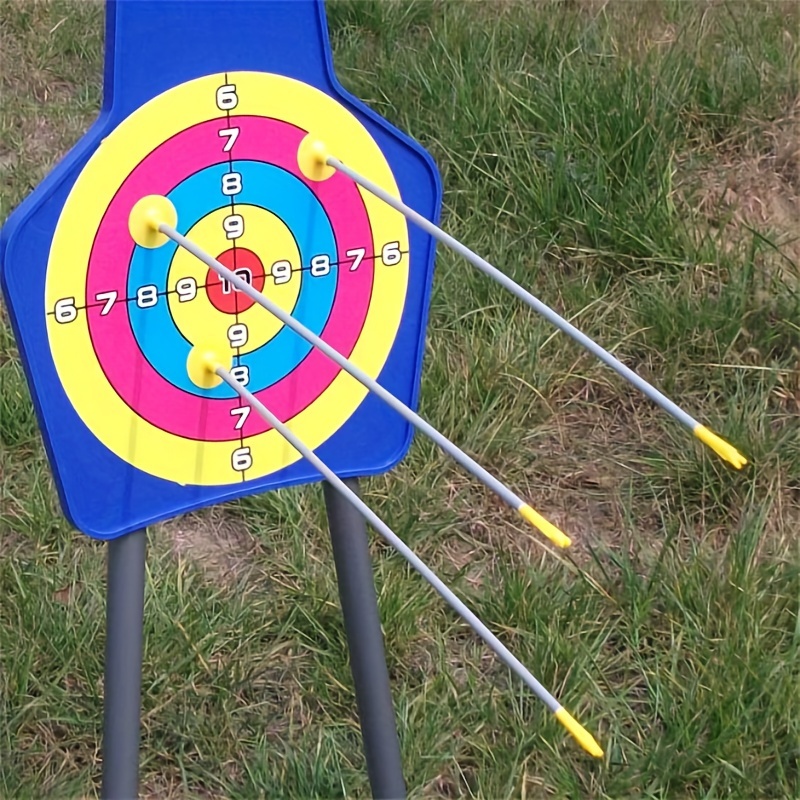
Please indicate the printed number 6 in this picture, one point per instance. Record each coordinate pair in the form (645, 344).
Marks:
(390, 254)
(241, 459)
(227, 97)
(65, 310)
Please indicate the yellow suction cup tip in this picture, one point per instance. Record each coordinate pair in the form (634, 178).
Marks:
(720, 446)
(202, 364)
(311, 158)
(146, 216)
(579, 733)
(557, 537)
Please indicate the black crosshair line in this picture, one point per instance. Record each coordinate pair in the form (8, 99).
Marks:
(217, 282)
(333, 264)
(238, 356)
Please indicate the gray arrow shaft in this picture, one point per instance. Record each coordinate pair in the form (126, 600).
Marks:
(537, 305)
(381, 527)
(448, 446)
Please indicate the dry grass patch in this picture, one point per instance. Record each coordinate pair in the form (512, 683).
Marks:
(588, 469)
(590, 463)
(620, 480)
(757, 187)
(218, 545)
(170, 786)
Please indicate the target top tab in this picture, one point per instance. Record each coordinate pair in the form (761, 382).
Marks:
(157, 44)
(208, 104)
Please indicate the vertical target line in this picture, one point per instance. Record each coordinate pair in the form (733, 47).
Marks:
(233, 211)
(531, 516)
(581, 735)
(238, 354)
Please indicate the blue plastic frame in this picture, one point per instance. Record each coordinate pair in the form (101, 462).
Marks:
(151, 46)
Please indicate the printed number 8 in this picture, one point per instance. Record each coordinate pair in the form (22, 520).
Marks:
(320, 265)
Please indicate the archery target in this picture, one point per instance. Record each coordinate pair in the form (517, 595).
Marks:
(122, 319)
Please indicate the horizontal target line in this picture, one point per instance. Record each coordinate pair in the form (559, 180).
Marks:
(584, 738)
(100, 303)
(333, 264)
(207, 284)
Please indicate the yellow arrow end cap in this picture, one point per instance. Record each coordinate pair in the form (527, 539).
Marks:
(312, 157)
(557, 537)
(202, 364)
(720, 446)
(146, 216)
(579, 733)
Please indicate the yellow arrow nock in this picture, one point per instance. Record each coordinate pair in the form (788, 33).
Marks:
(579, 733)
(720, 446)
(558, 538)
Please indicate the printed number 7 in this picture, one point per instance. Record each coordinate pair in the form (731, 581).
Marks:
(357, 254)
(243, 413)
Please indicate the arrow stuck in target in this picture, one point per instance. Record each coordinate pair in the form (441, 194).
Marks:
(318, 164)
(151, 219)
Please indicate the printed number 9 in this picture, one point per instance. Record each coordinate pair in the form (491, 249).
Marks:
(186, 289)
(237, 335)
(233, 225)
(282, 272)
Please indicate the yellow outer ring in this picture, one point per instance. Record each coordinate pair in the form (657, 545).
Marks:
(132, 438)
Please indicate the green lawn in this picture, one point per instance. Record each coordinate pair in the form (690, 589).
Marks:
(637, 166)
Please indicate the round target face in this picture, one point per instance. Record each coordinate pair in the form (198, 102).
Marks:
(122, 319)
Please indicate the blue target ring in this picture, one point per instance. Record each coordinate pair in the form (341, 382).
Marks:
(275, 190)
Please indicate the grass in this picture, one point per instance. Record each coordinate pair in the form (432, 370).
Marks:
(625, 161)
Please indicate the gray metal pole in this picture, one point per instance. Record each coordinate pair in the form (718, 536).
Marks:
(123, 667)
(365, 641)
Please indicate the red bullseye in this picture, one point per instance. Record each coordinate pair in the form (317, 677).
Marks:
(247, 265)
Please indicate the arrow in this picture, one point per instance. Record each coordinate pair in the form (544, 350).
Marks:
(213, 365)
(151, 224)
(317, 164)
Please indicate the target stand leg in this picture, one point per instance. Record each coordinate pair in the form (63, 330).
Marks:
(365, 642)
(123, 666)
